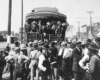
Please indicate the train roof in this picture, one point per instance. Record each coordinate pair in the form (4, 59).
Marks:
(44, 13)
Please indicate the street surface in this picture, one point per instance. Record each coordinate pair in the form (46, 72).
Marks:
(3, 45)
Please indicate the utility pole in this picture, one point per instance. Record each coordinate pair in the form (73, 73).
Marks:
(9, 22)
(87, 32)
(21, 21)
(79, 35)
(90, 12)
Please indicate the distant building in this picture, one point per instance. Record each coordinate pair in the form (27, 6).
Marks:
(86, 29)
(96, 27)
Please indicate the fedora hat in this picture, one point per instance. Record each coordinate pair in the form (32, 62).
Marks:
(58, 22)
(83, 43)
(53, 43)
(93, 46)
(71, 45)
(98, 34)
(35, 42)
(88, 41)
(40, 42)
(35, 45)
(45, 46)
(17, 48)
(48, 23)
(63, 43)
(97, 39)
(78, 42)
(30, 43)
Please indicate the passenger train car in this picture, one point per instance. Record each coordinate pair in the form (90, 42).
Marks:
(45, 23)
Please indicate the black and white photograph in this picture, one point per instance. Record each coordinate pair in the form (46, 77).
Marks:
(49, 39)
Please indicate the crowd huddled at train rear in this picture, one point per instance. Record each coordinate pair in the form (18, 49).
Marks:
(67, 60)
(53, 27)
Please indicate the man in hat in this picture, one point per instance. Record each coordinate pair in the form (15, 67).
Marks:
(10, 61)
(7, 49)
(17, 44)
(44, 64)
(24, 49)
(29, 48)
(63, 44)
(35, 42)
(60, 57)
(94, 65)
(68, 55)
(85, 57)
(97, 40)
(20, 70)
(88, 41)
(34, 55)
(34, 26)
(66, 61)
(53, 49)
(40, 45)
(63, 30)
(85, 60)
(59, 23)
(77, 55)
(53, 57)
(2, 63)
(85, 53)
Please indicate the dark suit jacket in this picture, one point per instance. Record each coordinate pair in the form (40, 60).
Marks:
(77, 55)
(95, 67)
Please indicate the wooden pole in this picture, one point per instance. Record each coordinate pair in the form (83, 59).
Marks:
(90, 12)
(79, 35)
(21, 21)
(9, 22)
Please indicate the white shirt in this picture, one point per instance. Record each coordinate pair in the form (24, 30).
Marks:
(83, 60)
(99, 52)
(85, 51)
(78, 48)
(11, 55)
(33, 54)
(67, 53)
(40, 64)
(60, 52)
(21, 56)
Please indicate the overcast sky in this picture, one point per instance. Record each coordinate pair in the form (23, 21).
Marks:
(75, 10)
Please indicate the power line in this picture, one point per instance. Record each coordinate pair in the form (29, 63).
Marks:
(82, 17)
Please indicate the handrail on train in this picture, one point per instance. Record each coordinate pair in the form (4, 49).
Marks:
(35, 35)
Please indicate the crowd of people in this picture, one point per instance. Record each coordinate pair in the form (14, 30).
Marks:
(78, 60)
(54, 27)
